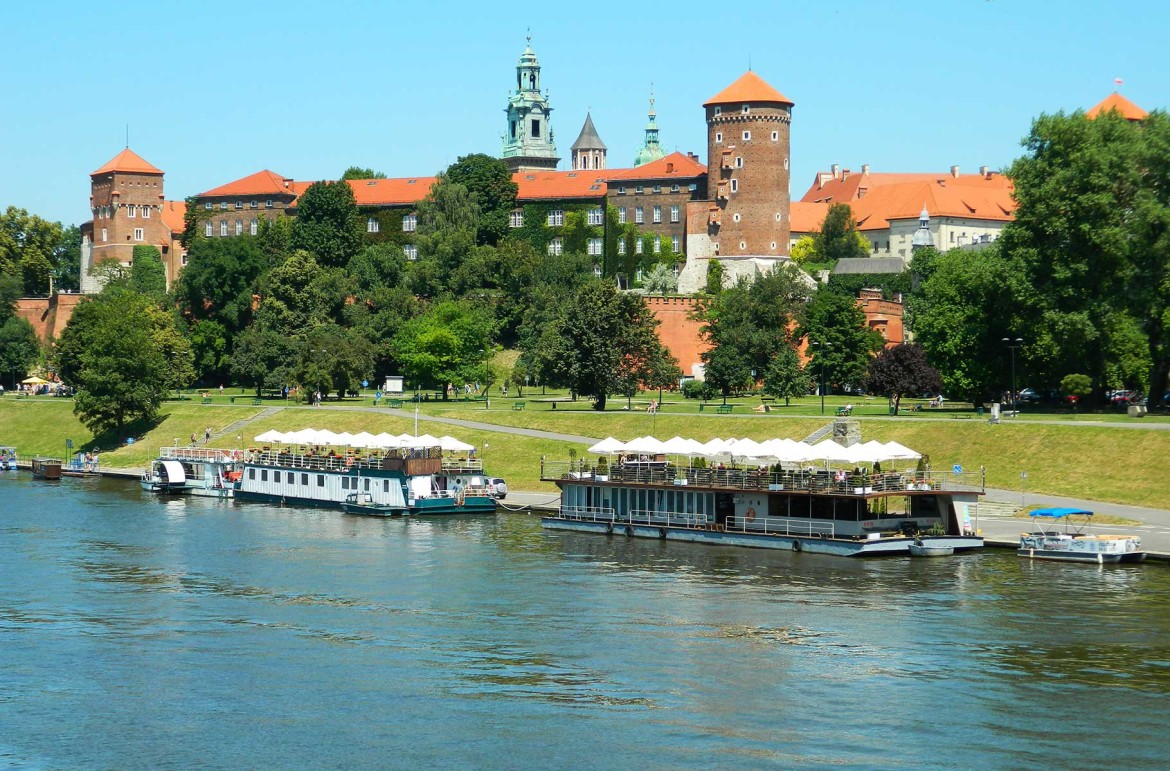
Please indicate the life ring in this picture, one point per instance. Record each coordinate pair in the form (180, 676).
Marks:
(609, 528)
(750, 514)
(796, 546)
(662, 533)
(629, 531)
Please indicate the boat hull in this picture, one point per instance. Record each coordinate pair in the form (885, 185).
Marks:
(1094, 558)
(917, 550)
(421, 507)
(811, 544)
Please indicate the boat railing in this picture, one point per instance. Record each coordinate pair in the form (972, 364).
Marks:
(808, 480)
(200, 454)
(588, 513)
(462, 465)
(780, 526)
(668, 518)
(311, 462)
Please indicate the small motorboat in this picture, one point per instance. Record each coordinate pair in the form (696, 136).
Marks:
(920, 549)
(46, 468)
(8, 459)
(1073, 545)
(363, 504)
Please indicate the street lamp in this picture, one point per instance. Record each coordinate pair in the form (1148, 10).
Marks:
(1012, 345)
(821, 348)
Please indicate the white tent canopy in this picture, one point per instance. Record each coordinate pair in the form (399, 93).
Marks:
(782, 450)
(607, 446)
(451, 444)
(271, 435)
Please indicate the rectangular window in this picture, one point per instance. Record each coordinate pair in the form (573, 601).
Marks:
(595, 247)
(535, 129)
(222, 205)
(657, 214)
(207, 205)
(718, 137)
(556, 247)
(291, 478)
(639, 216)
(409, 224)
(223, 226)
(718, 110)
(145, 212)
(775, 136)
(372, 225)
(254, 227)
(268, 204)
(251, 473)
(131, 211)
(622, 190)
(105, 233)
(746, 109)
(596, 216)
(239, 204)
(735, 185)
(516, 219)
(183, 259)
(207, 228)
(411, 251)
(239, 227)
(385, 485)
(305, 480)
(622, 246)
(622, 216)
(656, 245)
(747, 136)
(254, 204)
(674, 244)
(263, 475)
(638, 189)
(138, 235)
(320, 480)
(367, 485)
(556, 218)
(674, 214)
(345, 483)
(658, 188)
(637, 246)
(739, 161)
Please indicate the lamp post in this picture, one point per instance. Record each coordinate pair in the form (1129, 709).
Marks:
(821, 348)
(1012, 345)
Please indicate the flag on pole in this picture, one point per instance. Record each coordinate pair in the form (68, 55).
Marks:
(1118, 81)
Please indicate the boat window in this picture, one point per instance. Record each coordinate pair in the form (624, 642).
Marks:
(385, 485)
(304, 479)
(264, 475)
(251, 473)
(320, 480)
(367, 485)
(292, 478)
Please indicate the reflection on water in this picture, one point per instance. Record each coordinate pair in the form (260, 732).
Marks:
(145, 632)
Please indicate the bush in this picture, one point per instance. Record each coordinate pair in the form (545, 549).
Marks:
(697, 389)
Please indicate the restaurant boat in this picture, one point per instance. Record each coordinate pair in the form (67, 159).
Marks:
(1071, 544)
(783, 506)
(415, 480)
(200, 471)
(8, 459)
(46, 468)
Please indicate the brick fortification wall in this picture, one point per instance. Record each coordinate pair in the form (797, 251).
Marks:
(678, 332)
(48, 315)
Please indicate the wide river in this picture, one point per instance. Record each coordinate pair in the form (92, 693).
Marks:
(145, 633)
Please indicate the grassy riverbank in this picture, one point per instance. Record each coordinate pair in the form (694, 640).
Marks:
(1094, 462)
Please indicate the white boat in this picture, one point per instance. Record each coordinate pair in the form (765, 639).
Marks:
(202, 471)
(1071, 544)
(919, 549)
(8, 459)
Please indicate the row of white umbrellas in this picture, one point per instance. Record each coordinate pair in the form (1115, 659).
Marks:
(774, 450)
(363, 440)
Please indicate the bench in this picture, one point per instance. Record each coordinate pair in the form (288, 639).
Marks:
(394, 403)
(843, 412)
(206, 400)
(518, 406)
(255, 402)
(724, 409)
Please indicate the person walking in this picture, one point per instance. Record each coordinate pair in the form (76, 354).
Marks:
(207, 435)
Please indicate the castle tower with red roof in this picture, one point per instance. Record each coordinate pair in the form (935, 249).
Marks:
(129, 209)
(746, 222)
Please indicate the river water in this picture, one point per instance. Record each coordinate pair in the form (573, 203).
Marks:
(145, 633)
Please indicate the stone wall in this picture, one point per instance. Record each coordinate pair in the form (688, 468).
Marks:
(679, 332)
(48, 315)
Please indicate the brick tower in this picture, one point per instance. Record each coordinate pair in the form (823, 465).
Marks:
(747, 168)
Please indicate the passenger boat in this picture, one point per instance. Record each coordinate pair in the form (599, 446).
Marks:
(1071, 544)
(773, 507)
(46, 468)
(8, 459)
(417, 480)
(200, 471)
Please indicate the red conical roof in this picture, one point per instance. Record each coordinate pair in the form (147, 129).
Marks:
(1116, 101)
(749, 88)
(127, 161)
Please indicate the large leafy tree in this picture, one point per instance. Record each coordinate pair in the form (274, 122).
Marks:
(447, 220)
(19, 348)
(357, 172)
(902, 370)
(786, 377)
(331, 358)
(838, 237)
(839, 339)
(327, 223)
(262, 358)
(29, 248)
(148, 275)
(300, 294)
(490, 184)
(219, 279)
(602, 340)
(448, 343)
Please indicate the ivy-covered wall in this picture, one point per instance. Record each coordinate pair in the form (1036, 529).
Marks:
(389, 225)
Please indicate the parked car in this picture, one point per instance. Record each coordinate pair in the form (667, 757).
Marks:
(497, 488)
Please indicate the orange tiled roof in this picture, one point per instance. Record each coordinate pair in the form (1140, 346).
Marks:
(941, 198)
(850, 186)
(807, 217)
(675, 165)
(541, 185)
(749, 88)
(1116, 101)
(390, 192)
(261, 183)
(127, 161)
(172, 215)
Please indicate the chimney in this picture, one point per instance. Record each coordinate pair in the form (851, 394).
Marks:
(985, 172)
(955, 172)
(865, 168)
(836, 169)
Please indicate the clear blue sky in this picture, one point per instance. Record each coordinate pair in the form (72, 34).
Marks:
(216, 91)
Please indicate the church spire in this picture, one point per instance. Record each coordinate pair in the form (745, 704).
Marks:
(588, 152)
(651, 150)
(528, 143)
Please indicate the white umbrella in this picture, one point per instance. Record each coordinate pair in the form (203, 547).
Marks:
(451, 444)
(607, 446)
(426, 440)
(901, 452)
(272, 435)
(831, 451)
(364, 439)
(714, 447)
(344, 438)
(646, 445)
(304, 436)
(678, 446)
(749, 448)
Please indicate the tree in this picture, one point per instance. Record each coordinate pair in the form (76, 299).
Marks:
(28, 248)
(902, 370)
(714, 284)
(447, 220)
(804, 250)
(838, 237)
(300, 294)
(11, 288)
(839, 338)
(66, 261)
(219, 280)
(19, 348)
(148, 275)
(661, 279)
(331, 358)
(211, 352)
(327, 223)
(1077, 386)
(602, 340)
(122, 353)
(262, 358)
(357, 172)
(490, 184)
(446, 344)
(785, 377)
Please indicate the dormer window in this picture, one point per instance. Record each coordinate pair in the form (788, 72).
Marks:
(746, 109)
(718, 110)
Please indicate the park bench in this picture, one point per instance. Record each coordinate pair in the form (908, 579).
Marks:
(255, 402)
(724, 409)
(205, 400)
(394, 403)
(844, 412)
(518, 406)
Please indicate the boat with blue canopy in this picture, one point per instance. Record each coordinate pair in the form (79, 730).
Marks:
(1071, 544)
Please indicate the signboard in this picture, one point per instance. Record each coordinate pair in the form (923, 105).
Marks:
(957, 469)
(393, 385)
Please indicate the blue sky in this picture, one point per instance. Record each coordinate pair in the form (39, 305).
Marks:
(215, 91)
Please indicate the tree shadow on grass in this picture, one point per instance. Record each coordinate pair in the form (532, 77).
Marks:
(112, 440)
